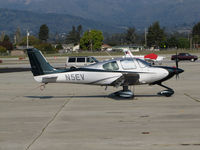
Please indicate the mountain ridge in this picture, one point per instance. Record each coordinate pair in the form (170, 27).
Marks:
(57, 23)
(118, 13)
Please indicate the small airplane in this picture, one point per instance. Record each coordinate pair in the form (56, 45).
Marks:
(151, 58)
(117, 72)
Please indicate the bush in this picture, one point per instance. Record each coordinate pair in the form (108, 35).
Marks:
(183, 43)
(32, 41)
(2, 49)
(7, 44)
(59, 47)
(46, 48)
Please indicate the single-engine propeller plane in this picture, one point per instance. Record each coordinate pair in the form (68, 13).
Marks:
(117, 72)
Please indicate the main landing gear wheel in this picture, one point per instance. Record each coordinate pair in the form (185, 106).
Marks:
(125, 93)
(166, 93)
(169, 92)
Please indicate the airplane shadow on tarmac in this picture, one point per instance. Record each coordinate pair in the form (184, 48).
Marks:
(92, 96)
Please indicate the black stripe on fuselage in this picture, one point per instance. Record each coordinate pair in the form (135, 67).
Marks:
(100, 70)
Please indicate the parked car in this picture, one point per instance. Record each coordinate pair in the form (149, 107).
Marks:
(184, 56)
(79, 61)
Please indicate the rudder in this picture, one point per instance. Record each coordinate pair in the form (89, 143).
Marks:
(39, 65)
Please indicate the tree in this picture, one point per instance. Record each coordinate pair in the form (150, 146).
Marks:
(59, 46)
(183, 43)
(79, 32)
(2, 36)
(46, 48)
(6, 38)
(91, 40)
(32, 40)
(196, 33)
(18, 35)
(115, 39)
(155, 36)
(172, 42)
(44, 33)
(130, 36)
(6, 43)
(74, 35)
(2, 49)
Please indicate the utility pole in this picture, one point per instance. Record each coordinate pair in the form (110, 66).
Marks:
(15, 39)
(145, 37)
(27, 35)
(191, 43)
(190, 39)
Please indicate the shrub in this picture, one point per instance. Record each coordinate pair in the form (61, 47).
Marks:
(2, 49)
(45, 48)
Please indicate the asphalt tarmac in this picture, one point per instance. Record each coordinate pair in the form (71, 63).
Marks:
(84, 117)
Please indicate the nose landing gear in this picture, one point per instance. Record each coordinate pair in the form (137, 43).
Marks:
(169, 92)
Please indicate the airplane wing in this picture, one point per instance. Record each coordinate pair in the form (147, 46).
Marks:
(126, 79)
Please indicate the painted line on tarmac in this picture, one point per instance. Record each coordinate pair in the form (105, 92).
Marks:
(195, 99)
(48, 123)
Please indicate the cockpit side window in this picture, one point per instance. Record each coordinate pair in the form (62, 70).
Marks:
(128, 64)
(111, 66)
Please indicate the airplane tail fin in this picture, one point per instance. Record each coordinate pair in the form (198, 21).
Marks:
(39, 65)
(127, 53)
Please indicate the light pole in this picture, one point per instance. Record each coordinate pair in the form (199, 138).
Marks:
(27, 35)
(145, 36)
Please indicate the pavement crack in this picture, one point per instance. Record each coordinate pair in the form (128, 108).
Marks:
(48, 123)
(195, 99)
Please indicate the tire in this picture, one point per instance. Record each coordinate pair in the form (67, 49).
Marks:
(192, 59)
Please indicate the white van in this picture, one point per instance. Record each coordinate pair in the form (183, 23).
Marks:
(74, 61)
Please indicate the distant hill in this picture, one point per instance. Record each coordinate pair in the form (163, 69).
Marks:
(118, 13)
(11, 19)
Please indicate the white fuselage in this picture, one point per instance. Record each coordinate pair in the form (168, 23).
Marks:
(81, 77)
(101, 74)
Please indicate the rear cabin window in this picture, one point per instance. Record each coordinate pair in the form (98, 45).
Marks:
(111, 66)
(80, 59)
(72, 60)
(128, 64)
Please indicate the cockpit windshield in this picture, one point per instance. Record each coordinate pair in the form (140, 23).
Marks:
(128, 64)
(143, 63)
